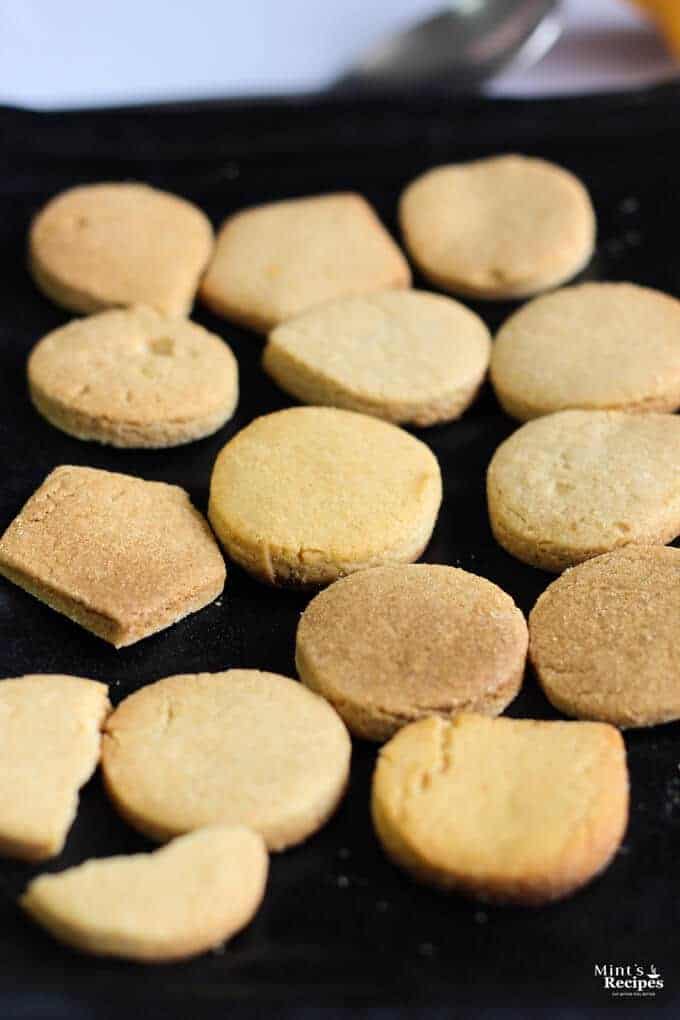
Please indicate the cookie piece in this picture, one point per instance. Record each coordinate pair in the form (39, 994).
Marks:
(406, 356)
(604, 638)
(240, 747)
(507, 810)
(503, 227)
(274, 261)
(122, 557)
(305, 495)
(393, 644)
(49, 747)
(102, 245)
(600, 346)
(176, 902)
(572, 485)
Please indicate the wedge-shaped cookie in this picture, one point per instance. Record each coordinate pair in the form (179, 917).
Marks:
(49, 747)
(181, 900)
(510, 810)
(274, 261)
(571, 485)
(122, 557)
(102, 245)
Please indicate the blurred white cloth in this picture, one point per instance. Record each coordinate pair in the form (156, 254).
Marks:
(68, 53)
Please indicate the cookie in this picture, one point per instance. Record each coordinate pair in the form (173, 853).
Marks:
(49, 747)
(131, 377)
(176, 902)
(503, 227)
(104, 245)
(600, 346)
(275, 261)
(507, 810)
(305, 495)
(393, 644)
(122, 557)
(241, 747)
(604, 638)
(406, 356)
(571, 485)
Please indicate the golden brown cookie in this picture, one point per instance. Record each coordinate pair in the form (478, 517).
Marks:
(572, 485)
(501, 227)
(604, 638)
(406, 356)
(274, 261)
(393, 644)
(122, 557)
(131, 377)
(49, 747)
(99, 246)
(177, 902)
(308, 494)
(240, 747)
(600, 346)
(507, 810)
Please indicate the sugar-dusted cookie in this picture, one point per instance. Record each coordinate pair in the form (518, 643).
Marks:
(507, 810)
(308, 494)
(274, 261)
(102, 245)
(122, 557)
(49, 747)
(241, 747)
(604, 639)
(131, 377)
(406, 356)
(502, 227)
(572, 485)
(393, 644)
(600, 346)
(189, 896)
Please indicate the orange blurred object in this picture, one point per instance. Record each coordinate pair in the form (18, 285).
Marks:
(666, 13)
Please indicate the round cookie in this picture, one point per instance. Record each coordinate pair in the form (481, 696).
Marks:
(405, 356)
(103, 245)
(308, 494)
(604, 638)
(571, 485)
(507, 810)
(502, 227)
(600, 346)
(176, 902)
(133, 378)
(234, 748)
(274, 261)
(393, 644)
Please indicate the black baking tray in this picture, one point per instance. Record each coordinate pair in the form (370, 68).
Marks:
(340, 925)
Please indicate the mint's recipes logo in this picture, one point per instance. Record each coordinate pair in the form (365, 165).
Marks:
(629, 980)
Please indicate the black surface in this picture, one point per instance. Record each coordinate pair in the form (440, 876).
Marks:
(339, 923)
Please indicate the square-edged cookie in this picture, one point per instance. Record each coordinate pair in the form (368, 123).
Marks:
(121, 556)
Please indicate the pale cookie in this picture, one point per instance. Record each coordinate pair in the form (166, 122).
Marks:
(571, 485)
(600, 346)
(604, 639)
(393, 644)
(102, 245)
(122, 557)
(306, 495)
(274, 261)
(49, 747)
(241, 747)
(131, 377)
(176, 902)
(503, 227)
(406, 356)
(507, 810)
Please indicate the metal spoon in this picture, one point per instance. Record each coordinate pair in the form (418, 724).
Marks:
(457, 48)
